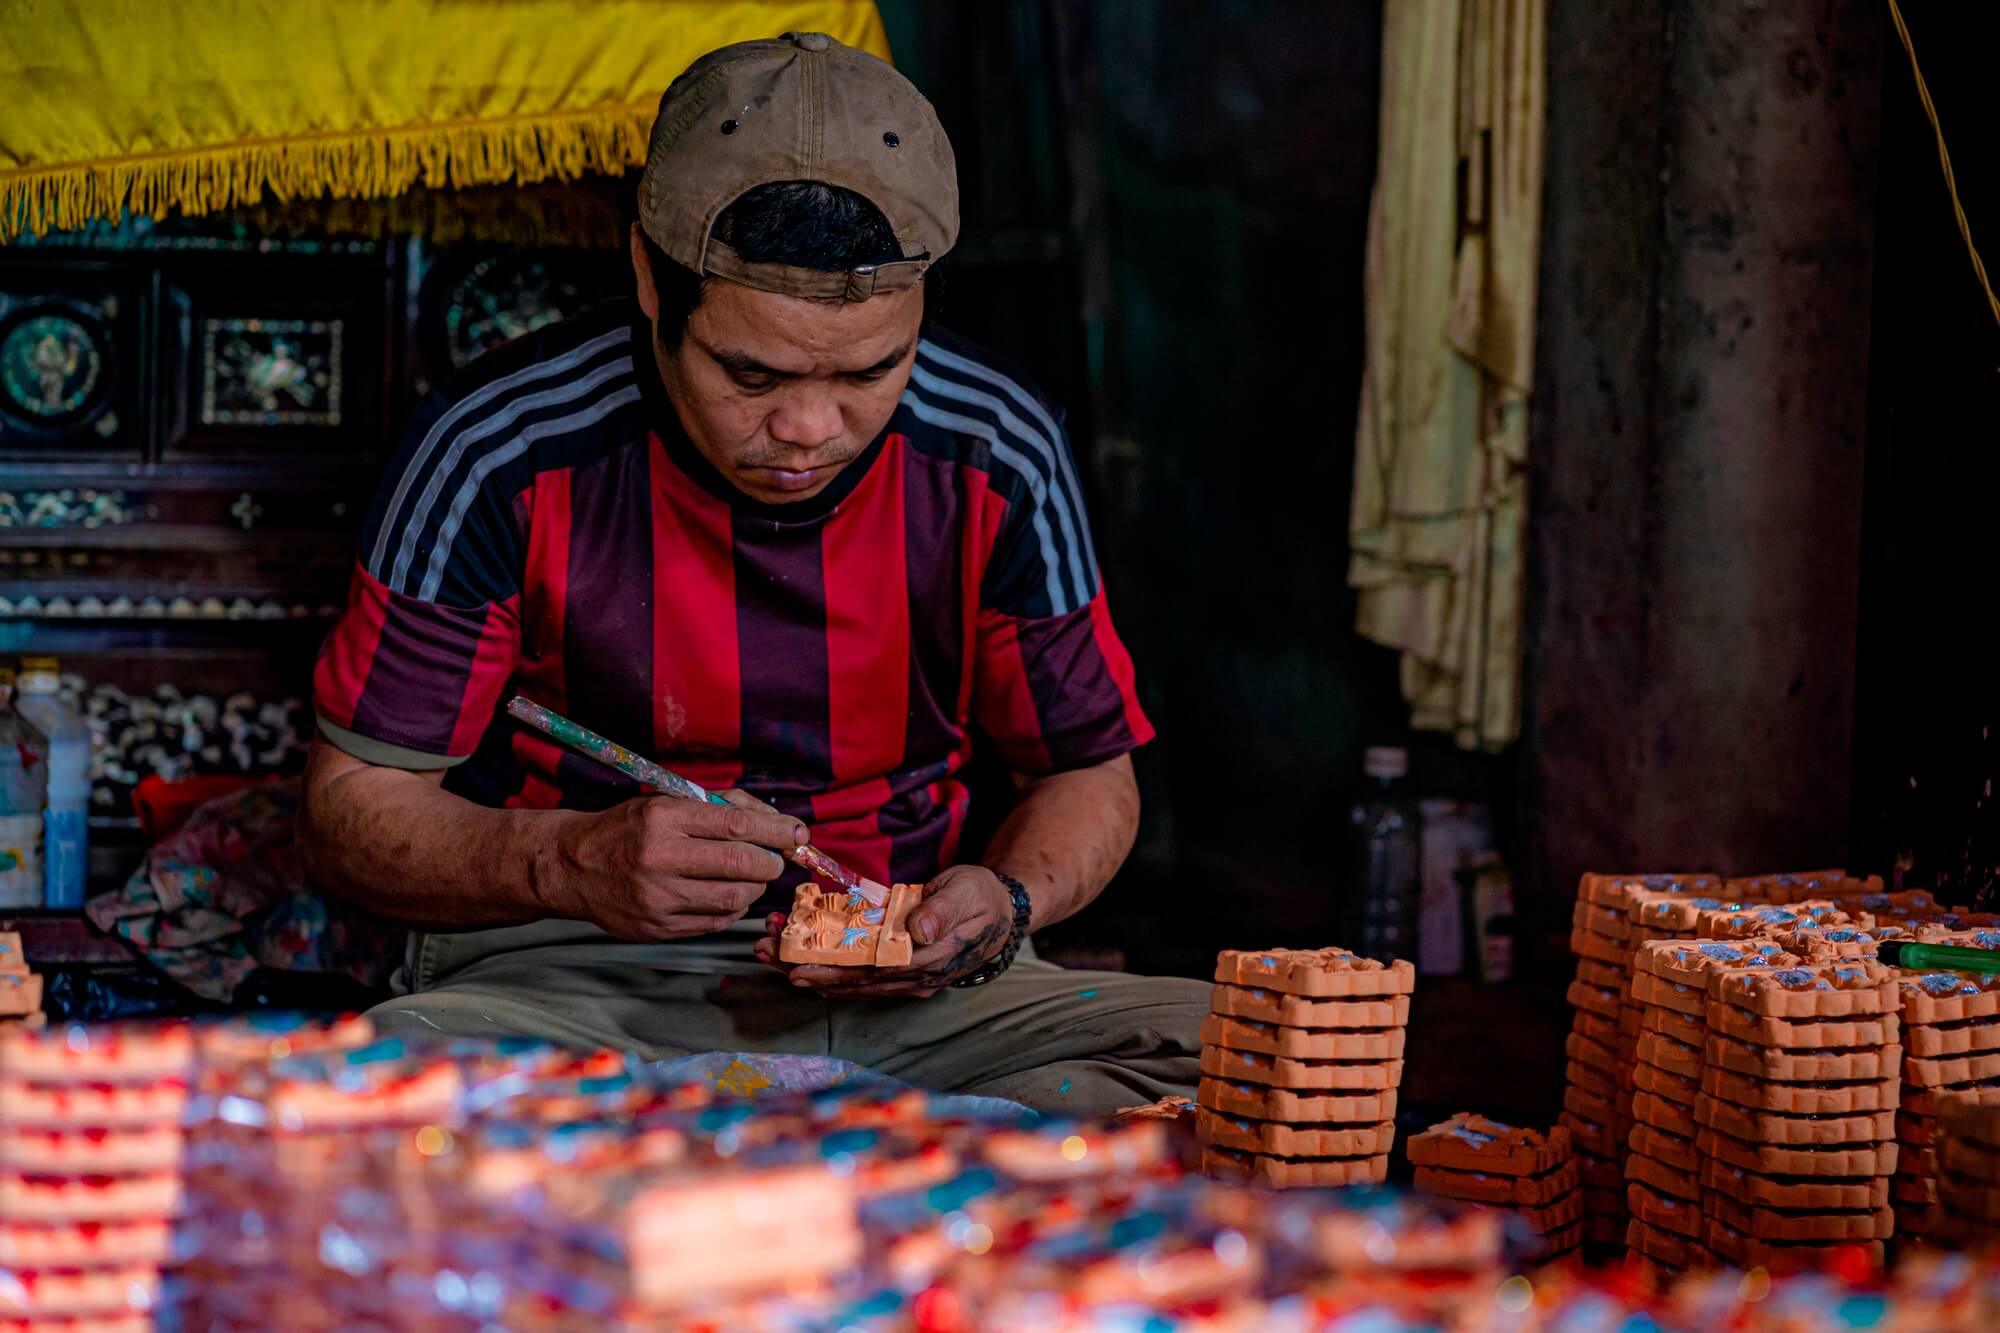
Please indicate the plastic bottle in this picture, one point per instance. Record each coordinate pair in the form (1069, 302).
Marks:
(66, 814)
(1382, 895)
(24, 778)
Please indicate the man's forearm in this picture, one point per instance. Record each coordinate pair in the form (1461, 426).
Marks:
(402, 847)
(1067, 836)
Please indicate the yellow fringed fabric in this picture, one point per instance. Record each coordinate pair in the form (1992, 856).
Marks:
(140, 106)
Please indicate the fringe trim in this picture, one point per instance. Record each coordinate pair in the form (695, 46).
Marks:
(347, 165)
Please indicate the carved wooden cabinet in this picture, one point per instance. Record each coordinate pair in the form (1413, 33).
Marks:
(193, 416)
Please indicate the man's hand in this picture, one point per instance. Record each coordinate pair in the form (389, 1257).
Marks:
(657, 868)
(963, 921)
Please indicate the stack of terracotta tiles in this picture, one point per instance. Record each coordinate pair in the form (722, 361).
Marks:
(1796, 1114)
(20, 987)
(1951, 1049)
(1604, 1036)
(1301, 1060)
(1532, 1175)
(1968, 1161)
(1837, 885)
(1664, 1190)
(90, 1143)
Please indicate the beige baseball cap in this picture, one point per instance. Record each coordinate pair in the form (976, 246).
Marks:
(802, 107)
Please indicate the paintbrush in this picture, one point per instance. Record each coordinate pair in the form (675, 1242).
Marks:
(669, 783)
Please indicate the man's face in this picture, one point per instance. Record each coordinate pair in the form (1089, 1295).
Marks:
(780, 394)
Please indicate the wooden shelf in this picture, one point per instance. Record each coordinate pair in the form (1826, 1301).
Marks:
(301, 473)
(164, 537)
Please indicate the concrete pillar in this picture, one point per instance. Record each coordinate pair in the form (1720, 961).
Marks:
(1697, 459)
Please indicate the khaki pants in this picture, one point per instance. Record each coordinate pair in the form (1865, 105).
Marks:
(1084, 1043)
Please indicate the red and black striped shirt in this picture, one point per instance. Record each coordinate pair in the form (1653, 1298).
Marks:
(547, 528)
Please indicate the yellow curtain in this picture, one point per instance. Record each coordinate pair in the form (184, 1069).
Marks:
(1439, 514)
(197, 105)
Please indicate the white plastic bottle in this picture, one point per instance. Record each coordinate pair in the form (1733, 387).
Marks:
(65, 819)
(24, 780)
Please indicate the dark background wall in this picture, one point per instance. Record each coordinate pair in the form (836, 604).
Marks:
(1929, 689)
(1199, 174)
(1699, 430)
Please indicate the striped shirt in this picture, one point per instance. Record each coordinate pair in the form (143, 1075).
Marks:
(546, 528)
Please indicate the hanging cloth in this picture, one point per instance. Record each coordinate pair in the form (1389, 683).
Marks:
(1440, 503)
(155, 105)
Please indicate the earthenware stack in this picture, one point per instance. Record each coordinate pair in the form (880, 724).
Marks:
(1951, 1050)
(1301, 1060)
(1796, 1112)
(1527, 1173)
(1968, 1162)
(90, 1145)
(1604, 1033)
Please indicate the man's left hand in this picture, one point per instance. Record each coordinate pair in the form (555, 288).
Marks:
(962, 922)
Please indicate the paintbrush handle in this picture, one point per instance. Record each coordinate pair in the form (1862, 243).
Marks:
(656, 778)
(609, 752)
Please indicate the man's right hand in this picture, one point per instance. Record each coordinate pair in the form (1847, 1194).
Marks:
(657, 868)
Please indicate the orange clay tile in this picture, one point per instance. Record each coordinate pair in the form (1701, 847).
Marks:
(1747, 921)
(1294, 1172)
(1666, 1181)
(1931, 1040)
(1302, 1075)
(1261, 1102)
(1316, 973)
(1972, 1115)
(1277, 1139)
(1774, 1224)
(1692, 962)
(1926, 1101)
(1802, 1033)
(1753, 1125)
(1840, 989)
(1608, 922)
(1664, 915)
(1777, 1159)
(1613, 890)
(846, 930)
(1588, 944)
(1658, 1210)
(20, 994)
(1784, 886)
(1668, 1149)
(1558, 1215)
(1663, 1052)
(1471, 1142)
(1243, 1034)
(1688, 1029)
(1482, 1187)
(89, 1152)
(1814, 1064)
(1749, 1189)
(65, 1106)
(111, 1053)
(1950, 1070)
(28, 1245)
(1801, 1098)
(1649, 989)
(1269, 1006)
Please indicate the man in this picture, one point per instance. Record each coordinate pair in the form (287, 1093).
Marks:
(769, 526)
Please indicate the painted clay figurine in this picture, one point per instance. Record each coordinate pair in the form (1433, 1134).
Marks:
(844, 930)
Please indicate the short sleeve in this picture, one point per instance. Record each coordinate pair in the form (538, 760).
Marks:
(413, 671)
(1053, 684)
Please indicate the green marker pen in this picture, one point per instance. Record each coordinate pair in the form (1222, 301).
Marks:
(1938, 957)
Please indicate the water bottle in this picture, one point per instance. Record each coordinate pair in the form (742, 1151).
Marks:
(66, 813)
(24, 781)
(1382, 895)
